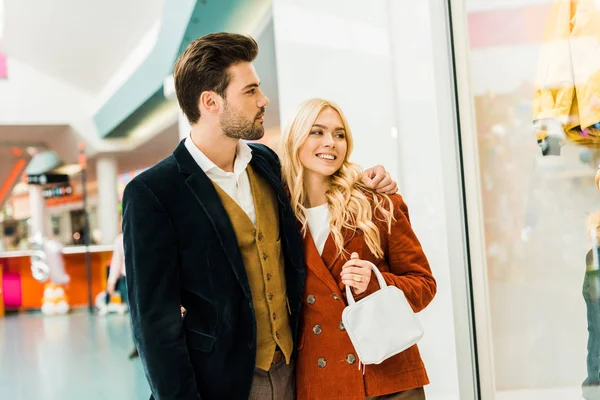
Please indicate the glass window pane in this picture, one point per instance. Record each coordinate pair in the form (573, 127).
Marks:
(535, 77)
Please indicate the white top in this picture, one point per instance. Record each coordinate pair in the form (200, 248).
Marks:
(318, 222)
(236, 184)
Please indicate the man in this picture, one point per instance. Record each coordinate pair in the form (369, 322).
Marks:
(210, 228)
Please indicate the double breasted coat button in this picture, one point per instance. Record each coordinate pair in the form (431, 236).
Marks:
(350, 359)
(317, 329)
(321, 362)
(311, 299)
(342, 327)
(335, 297)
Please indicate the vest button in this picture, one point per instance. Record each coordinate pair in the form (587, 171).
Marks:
(260, 236)
(342, 327)
(317, 329)
(269, 277)
(277, 335)
(350, 359)
(311, 299)
(270, 296)
(265, 256)
(321, 362)
(274, 316)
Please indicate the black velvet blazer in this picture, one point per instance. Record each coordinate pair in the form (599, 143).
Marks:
(180, 248)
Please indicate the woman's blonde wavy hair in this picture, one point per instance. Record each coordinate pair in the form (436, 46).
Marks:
(351, 203)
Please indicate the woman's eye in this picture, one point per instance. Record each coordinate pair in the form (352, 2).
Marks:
(340, 135)
(316, 133)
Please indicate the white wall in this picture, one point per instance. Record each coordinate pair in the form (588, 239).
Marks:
(339, 51)
(428, 161)
(381, 63)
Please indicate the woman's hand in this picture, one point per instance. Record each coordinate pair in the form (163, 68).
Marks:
(356, 273)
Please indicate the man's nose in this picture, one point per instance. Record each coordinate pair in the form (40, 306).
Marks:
(264, 101)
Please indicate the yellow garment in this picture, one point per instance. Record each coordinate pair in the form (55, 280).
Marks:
(261, 251)
(568, 76)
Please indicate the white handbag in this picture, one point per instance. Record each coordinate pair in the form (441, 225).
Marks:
(382, 324)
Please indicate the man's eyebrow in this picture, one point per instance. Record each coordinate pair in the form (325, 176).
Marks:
(251, 85)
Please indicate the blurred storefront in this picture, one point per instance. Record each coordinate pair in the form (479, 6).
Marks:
(521, 67)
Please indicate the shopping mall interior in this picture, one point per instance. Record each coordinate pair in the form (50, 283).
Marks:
(485, 112)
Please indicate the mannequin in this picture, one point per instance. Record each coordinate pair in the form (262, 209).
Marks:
(48, 266)
(591, 295)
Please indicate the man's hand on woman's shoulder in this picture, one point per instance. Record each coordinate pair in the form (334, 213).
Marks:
(378, 179)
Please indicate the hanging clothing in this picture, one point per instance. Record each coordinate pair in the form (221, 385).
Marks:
(568, 75)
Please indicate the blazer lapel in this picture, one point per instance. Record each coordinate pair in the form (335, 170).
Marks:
(316, 264)
(265, 169)
(205, 193)
(331, 253)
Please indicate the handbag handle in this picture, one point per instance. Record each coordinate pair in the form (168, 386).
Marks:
(380, 279)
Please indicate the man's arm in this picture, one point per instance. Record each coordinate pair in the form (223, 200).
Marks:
(154, 294)
(376, 178)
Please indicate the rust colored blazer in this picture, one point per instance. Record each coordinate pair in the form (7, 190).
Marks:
(327, 365)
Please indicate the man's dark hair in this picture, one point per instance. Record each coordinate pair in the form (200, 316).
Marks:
(203, 67)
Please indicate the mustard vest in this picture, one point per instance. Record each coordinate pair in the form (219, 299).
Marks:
(263, 258)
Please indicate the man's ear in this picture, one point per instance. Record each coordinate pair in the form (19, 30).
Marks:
(209, 102)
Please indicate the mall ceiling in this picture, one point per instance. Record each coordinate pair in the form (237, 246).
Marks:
(82, 43)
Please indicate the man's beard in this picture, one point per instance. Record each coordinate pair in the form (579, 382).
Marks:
(236, 126)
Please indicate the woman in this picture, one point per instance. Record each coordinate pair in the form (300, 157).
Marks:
(346, 227)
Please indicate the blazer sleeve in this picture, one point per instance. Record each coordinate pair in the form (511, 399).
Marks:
(409, 268)
(154, 294)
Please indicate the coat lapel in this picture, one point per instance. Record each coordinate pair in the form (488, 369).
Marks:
(205, 193)
(317, 265)
(273, 177)
(262, 166)
(331, 253)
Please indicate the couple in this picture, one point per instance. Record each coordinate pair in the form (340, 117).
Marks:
(258, 250)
